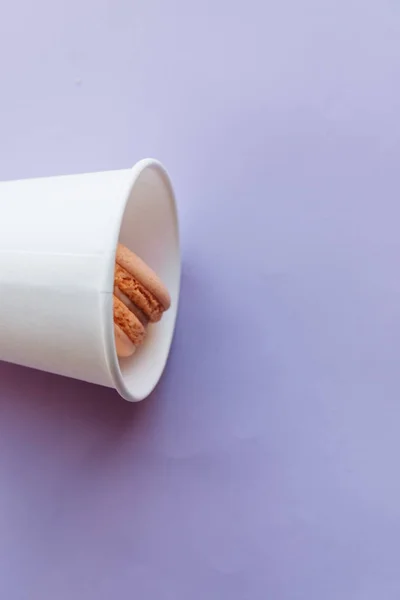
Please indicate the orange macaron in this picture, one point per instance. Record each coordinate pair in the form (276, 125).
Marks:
(140, 297)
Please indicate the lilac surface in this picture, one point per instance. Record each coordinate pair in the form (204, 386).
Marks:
(266, 463)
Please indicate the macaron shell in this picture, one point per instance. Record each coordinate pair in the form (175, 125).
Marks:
(138, 294)
(144, 274)
(128, 322)
(123, 344)
(131, 306)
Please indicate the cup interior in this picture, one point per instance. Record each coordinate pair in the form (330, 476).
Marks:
(149, 227)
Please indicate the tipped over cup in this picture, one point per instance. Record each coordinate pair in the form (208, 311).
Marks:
(58, 241)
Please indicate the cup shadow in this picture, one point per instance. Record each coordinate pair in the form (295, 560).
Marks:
(40, 409)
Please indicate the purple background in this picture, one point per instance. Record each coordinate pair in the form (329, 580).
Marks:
(266, 465)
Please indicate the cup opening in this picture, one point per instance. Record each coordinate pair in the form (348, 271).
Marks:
(149, 227)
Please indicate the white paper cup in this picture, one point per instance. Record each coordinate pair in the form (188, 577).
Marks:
(58, 239)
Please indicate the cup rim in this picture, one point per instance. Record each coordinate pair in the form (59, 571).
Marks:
(107, 307)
